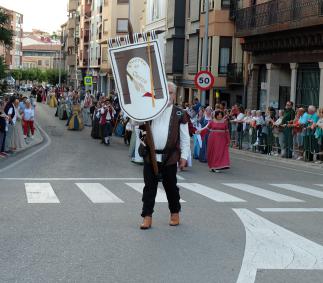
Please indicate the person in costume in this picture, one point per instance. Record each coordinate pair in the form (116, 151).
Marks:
(95, 132)
(87, 104)
(205, 134)
(218, 143)
(52, 99)
(75, 122)
(172, 143)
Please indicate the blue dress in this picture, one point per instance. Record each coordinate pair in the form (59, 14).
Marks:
(203, 151)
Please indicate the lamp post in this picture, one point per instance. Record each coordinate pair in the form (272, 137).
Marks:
(205, 46)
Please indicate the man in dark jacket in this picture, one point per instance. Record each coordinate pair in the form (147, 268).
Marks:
(289, 116)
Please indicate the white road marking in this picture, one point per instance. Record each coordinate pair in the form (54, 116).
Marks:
(320, 185)
(210, 193)
(161, 195)
(40, 193)
(262, 193)
(72, 179)
(292, 209)
(299, 189)
(97, 193)
(269, 246)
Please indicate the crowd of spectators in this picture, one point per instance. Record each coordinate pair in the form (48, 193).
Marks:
(17, 114)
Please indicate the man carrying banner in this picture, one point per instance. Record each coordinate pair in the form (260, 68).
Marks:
(172, 145)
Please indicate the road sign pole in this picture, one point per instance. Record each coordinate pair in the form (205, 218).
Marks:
(205, 46)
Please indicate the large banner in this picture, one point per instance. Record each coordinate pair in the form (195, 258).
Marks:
(139, 77)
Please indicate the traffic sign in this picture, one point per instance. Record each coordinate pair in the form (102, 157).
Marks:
(204, 80)
(88, 81)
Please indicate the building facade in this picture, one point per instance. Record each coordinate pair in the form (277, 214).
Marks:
(114, 22)
(283, 41)
(13, 56)
(72, 42)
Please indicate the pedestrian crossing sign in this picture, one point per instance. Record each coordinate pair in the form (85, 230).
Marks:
(88, 81)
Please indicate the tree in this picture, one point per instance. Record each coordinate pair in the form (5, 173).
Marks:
(6, 34)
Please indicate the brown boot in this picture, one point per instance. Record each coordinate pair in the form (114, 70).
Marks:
(174, 219)
(146, 224)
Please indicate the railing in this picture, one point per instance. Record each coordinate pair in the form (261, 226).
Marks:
(277, 15)
(235, 73)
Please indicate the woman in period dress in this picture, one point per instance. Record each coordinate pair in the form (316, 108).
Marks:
(205, 134)
(218, 143)
(76, 122)
(52, 100)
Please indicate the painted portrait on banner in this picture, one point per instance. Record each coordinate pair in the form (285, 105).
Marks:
(140, 79)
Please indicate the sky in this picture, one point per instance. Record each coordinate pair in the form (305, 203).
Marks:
(46, 15)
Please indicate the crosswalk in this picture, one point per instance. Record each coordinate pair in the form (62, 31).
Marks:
(98, 193)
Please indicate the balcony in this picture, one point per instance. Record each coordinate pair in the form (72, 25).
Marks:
(71, 24)
(71, 60)
(72, 5)
(235, 74)
(278, 15)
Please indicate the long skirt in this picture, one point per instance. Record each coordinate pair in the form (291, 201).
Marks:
(203, 151)
(119, 132)
(8, 138)
(18, 136)
(86, 117)
(75, 123)
(196, 148)
(95, 132)
(218, 151)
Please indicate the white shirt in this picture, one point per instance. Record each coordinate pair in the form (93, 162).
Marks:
(29, 114)
(14, 118)
(160, 127)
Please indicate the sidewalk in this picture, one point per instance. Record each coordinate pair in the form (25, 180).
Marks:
(281, 160)
(38, 138)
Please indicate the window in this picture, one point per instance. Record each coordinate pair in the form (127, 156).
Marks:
(105, 26)
(155, 10)
(39, 63)
(225, 4)
(225, 54)
(123, 1)
(211, 5)
(122, 25)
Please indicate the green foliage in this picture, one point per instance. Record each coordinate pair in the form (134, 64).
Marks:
(48, 76)
(6, 33)
(3, 68)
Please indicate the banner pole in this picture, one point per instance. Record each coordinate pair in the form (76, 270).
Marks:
(149, 136)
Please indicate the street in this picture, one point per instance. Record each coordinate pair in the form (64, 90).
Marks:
(70, 212)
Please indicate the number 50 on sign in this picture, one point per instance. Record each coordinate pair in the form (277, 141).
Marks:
(204, 80)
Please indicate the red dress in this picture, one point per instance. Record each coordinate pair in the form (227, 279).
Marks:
(218, 145)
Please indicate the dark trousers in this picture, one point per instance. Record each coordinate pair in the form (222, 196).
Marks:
(150, 190)
(2, 141)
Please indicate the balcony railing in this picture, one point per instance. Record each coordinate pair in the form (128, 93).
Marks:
(235, 73)
(278, 15)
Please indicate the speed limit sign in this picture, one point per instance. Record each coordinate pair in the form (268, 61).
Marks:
(204, 80)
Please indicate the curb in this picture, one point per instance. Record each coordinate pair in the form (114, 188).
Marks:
(33, 143)
(266, 157)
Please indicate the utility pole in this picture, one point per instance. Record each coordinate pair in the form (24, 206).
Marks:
(60, 67)
(205, 46)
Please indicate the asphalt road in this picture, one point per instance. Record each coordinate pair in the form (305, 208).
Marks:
(70, 211)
